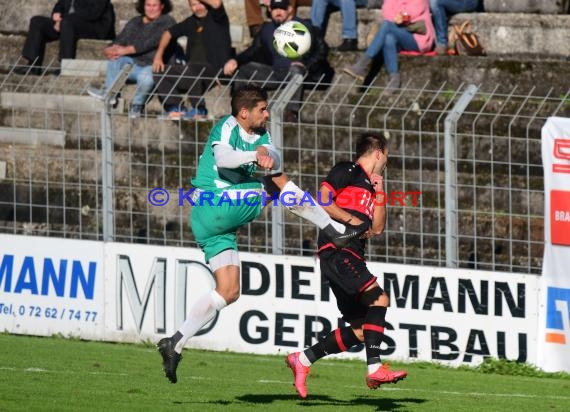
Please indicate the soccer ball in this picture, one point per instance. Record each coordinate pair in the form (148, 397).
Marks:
(292, 39)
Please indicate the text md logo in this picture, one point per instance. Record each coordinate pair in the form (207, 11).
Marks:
(557, 314)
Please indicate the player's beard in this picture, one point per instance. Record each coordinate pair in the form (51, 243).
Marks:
(260, 130)
(279, 21)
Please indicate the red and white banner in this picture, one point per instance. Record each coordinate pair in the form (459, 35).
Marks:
(554, 318)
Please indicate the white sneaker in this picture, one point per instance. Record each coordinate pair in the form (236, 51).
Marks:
(96, 93)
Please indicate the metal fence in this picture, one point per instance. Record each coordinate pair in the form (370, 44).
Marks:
(464, 179)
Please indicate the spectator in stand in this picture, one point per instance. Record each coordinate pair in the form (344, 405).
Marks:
(320, 13)
(260, 62)
(254, 15)
(70, 21)
(407, 26)
(208, 47)
(135, 46)
(441, 11)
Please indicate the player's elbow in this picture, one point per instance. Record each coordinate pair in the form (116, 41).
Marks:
(377, 231)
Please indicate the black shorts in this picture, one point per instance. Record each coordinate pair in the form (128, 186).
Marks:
(348, 277)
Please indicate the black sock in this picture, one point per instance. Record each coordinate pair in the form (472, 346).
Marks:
(373, 329)
(339, 340)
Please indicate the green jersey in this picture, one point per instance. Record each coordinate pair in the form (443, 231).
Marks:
(227, 132)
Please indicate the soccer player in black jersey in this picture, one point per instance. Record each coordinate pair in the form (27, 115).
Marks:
(356, 189)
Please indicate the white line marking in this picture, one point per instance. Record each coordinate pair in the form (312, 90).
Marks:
(502, 395)
(41, 370)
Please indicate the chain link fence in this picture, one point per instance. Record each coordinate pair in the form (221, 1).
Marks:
(464, 181)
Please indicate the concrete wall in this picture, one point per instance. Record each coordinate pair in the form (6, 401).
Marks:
(527, 6)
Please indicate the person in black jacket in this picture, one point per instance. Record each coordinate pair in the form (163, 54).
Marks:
(208, 47)
(260, 62)
(70, 21)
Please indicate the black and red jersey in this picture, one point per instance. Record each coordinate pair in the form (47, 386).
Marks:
(352, 191)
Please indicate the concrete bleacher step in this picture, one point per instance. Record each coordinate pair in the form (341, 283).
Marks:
(31, 136)
(540, 35)
(489, 72)
(83, 67)
(527, 6)
(51, 102)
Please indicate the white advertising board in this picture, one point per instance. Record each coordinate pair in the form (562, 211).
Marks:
(51, 286)
(554, 322)
(143, 292)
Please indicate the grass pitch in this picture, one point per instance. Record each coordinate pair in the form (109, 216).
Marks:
(54, 374)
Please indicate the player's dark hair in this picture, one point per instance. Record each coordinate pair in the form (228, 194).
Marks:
(247, 96)
(165, 10)
(370, 141)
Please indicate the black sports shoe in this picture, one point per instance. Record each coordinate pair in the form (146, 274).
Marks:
(348, 45)
(170, 358)
(351, 232)
(27, 70)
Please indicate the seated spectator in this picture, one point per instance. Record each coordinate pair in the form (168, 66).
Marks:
(70, 21)
(136, 45)
(208, 47)
(320, 13)
(260, 62)
(254, 16)
(408, 28)
(441, 11)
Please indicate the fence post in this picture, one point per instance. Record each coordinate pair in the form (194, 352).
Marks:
(107, 178)
(276, 131)
(450, 129)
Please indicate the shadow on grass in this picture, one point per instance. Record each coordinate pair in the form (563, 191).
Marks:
(320, 400)
(219, 402)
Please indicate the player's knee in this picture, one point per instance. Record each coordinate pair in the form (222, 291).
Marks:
(145, 81)
(374, 296)
(359, 334)
(225, 266)
(232, 295)
(36, 23)
(67, 25)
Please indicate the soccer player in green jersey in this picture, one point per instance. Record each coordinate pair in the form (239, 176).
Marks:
(227, 196)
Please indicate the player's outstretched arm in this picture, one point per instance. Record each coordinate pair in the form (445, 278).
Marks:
(334, 210)
(379, 217)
